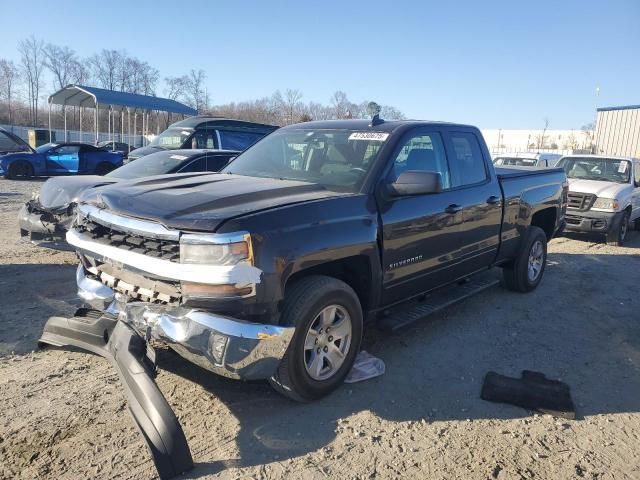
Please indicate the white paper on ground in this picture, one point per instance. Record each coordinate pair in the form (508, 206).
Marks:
(365, 367)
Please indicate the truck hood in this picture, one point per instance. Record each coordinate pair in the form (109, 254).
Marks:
(61, 191)
(597, 187)
(201, 202)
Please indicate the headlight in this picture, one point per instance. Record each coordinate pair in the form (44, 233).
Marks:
(606, 204)
(223, 250)
(219, 250)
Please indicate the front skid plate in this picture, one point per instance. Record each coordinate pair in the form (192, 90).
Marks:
(135, 363)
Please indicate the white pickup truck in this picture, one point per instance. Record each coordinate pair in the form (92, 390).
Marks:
(604, 195)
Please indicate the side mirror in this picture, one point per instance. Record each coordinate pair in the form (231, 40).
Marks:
(415, 182)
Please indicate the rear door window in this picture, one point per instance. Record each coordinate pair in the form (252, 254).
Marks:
(467, 159)
(205, 139)
(232, 140)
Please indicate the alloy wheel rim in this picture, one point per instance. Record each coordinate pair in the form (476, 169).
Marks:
(536, 260)
(327, 342)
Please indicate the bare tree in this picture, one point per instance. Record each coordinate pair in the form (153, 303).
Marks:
(9, 75)
(292, 106)
(62, 62)
(342, 107)
(196, 93)
(541, 139)
(175, 89)
(588, 131)
(106, 67)
(32, 59)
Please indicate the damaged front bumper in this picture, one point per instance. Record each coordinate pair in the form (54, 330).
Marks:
(134, 361)
(45, 228)
(227, 346)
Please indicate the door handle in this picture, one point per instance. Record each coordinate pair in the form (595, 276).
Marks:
(492, 200)
(453, 208)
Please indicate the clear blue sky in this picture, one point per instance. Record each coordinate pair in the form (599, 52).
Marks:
(496, 64)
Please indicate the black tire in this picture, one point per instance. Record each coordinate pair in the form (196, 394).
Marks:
(516, 276)
(618, 233)
(103, 168)
(19, 169)
(636, 225)
(302, 304)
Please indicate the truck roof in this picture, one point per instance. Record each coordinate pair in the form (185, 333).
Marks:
(384, 126)
(201, 120)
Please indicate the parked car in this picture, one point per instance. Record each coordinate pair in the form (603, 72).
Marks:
(270, 269)
(604, 195)
(116, 146)
(206, 132)
(45, 219)
(60, 159)
(527, 159)
(10, 143)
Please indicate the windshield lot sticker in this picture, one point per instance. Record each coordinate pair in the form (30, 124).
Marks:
(178, 157)
(374, 136)
(622, 168)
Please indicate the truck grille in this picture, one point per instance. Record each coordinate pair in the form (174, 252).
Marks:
(133, 285)
(163, 249)
(580, 201)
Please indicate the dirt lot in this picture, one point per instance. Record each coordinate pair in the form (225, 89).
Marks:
(63, 414)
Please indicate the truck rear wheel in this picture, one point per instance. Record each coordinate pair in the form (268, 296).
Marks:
(328, 319)
(527, 269)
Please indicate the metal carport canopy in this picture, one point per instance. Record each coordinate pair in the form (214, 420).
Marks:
(93, 97)
(83, 96)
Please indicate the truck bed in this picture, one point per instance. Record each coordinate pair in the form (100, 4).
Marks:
(520, 171)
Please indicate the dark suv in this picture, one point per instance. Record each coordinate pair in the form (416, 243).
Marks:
(209, 133)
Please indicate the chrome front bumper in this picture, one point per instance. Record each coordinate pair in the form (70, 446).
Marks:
(227, 346)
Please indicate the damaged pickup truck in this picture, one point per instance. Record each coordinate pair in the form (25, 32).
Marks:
(272, 268)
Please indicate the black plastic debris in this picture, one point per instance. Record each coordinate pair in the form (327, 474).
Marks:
(533, 391)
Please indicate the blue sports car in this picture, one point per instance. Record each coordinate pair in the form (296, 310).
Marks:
(60, 159)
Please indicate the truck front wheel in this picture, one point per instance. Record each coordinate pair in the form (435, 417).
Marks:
(618, 233)
(526, 271)
(328, 319)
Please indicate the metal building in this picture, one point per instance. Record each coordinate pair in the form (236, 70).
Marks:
(618, 131)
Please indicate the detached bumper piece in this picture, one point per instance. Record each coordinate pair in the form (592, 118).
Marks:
(533, 391)
(134, 361)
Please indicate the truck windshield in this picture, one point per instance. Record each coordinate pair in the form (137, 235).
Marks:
(335, 159)
(157, 163)
(524, 162)
(172, 138)
(592, 168)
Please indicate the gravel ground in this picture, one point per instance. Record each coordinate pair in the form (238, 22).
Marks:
(63, 414)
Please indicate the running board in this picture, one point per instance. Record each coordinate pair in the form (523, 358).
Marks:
(410, 312)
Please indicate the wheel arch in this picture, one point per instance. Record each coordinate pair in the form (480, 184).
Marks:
(356, 271)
